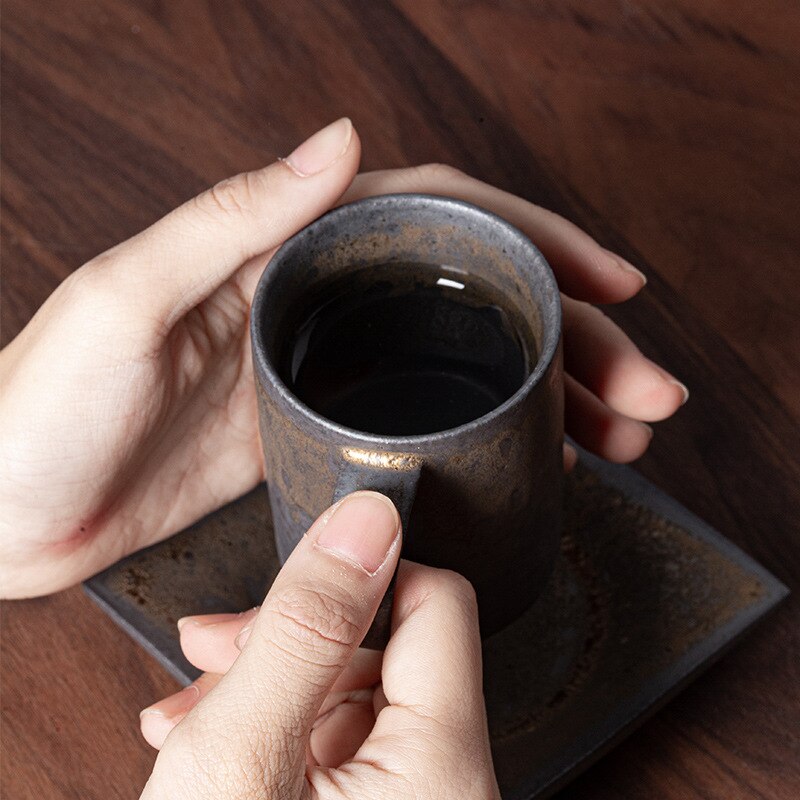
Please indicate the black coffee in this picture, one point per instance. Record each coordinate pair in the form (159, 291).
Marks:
(405, 349)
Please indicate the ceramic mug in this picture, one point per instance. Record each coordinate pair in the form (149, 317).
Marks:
(483, 498)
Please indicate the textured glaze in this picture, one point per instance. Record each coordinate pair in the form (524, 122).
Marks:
(488, 501)
(642, 597)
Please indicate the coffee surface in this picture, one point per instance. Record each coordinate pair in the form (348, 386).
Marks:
(405, 349)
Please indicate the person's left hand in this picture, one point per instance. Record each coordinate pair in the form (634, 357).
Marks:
(128, 406)
(128, 409)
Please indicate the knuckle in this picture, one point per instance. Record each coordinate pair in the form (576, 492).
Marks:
(192, 752)
(181, 742)
(184, 750)
(107, 297)
(100, 264)
(92, 287)
(459, 586)
(193, 748)
(462, 592)
(318, 621)
(232, 196)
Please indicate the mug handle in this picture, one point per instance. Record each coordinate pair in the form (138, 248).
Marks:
(396, 475)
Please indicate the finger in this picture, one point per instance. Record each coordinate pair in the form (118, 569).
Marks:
(181, 259)
(601, 357)
(600, 429)
(212, 642)
(570, 457)
(156, 721)
(340, 730)
(432, 682)
(433, 660)
(313, 619)
(209, 641)
(379, 701)
(364, 670)
(583, 268)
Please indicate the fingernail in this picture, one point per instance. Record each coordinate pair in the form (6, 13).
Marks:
(180, 703)
(672, 380)
(626, 266)
(242, 636)
(322, 149)
(204, 620)
(210, 620)
(362, 530)
(682, 387)
(648, 429)
(570, 457)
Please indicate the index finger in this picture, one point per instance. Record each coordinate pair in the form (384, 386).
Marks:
(433, 662)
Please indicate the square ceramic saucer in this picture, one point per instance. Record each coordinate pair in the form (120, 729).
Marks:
(644, 597)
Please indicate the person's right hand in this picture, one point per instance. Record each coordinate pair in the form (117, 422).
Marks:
(301, 713)
(128, 408)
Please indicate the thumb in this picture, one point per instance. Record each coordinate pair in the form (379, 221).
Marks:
(180, 260)
(310, 625)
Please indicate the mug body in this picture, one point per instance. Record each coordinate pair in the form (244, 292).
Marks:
(489, 492)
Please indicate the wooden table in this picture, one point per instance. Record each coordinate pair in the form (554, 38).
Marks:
(668, 130)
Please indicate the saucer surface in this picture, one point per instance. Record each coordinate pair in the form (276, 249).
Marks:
(645, 595)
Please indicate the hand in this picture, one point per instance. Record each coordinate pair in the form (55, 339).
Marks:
(611, 389)
(128, 406)
(302, 713)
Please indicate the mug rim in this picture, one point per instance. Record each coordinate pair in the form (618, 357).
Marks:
(551, 336)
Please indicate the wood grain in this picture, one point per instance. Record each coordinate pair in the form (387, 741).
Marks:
(669, 131)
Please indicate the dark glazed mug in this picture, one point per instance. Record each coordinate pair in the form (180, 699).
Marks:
(483, 499)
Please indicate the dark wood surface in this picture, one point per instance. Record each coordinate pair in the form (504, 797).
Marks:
(668, 130)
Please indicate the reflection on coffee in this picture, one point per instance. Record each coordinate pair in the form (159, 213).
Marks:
(405, 349)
